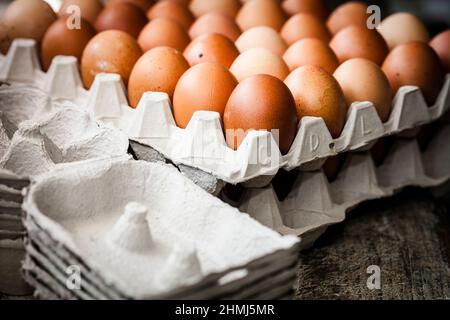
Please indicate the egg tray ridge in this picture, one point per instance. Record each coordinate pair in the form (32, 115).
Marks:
(202, 145)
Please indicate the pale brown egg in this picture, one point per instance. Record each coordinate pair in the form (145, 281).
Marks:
(171, 9)
(311, 51)
(158, 70)
(89, 9)
(403, 27)
(212, 47)
(318, 94)
(349, 13)
(363, 80)
(215, 22)
(302, 26)
(259, 61)
(441, 44)
(60, 40)
(144, 5)
(314, 7)
(25, 19)
(261, 13)
(163, 32)
(261, 37)
(261, 102)
(416, 64)
(122, 16)
(228, 7)
(205, 86)
(359, 42)
(111, 51)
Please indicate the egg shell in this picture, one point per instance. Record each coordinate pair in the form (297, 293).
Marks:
(318, 94)
(60, 40)
(349, 13)
(228, 7)
(261, 13)
(311, 51)
(158, 70)
(121, 16)
(441, 44)
(359, 42)
(314, 7)
(403, 27)
(261, 102)
(259, 61)
(363, 80)
(89, 9)
(163, 32)
(215, 22)
(302, 26)
(144, 5)
(172, 10)
(333, 165)
(25, 19)
(111, 51)
(261, 37)
(416, 64)
(205, 86)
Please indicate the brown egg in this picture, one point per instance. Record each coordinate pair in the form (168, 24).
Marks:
(144, 5)
(314, 7)
(215, 22)
(163, 32)
(60, 40)
(25, 19)
(403, 27)
(359, 42)
(311, 51)
(416, 64)
(228, 7)
(363, 80)
(302, 26)
(121, 16)
(111, 51)
(333, 165)
(261, 13)
(349, 13)
(259, 61)
(171, 9)
(89, 9)
(318, 94)
(441, 44)
(212, 47)
(380, 150)
(205, 86)
(261, 102)
(157, 70)
(261, 37)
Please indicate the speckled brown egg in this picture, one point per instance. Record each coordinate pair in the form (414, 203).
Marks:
(157, 70)
(302, 26)
(441, 44)
(261, 37)
(215, 22)
(318, 94)
(60, 40)
(205, 86)
(403, 27)
(212, 47)
(349, 13)
(363, 80)
(25, 19)
(144, 5)
(111, 51)
(228, 7)
(416, 64)
(89, 9)
(163, 32)
(171, 9)
(311, 51)
(122, 16)
(359, 42)
(314, 7)
(261, 13)
(261, 102)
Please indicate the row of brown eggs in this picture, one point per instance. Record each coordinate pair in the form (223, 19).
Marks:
(281, 68)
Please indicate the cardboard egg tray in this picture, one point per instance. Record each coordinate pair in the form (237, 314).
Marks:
(207, 258)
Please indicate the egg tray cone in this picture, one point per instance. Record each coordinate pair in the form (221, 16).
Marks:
(202, 144)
